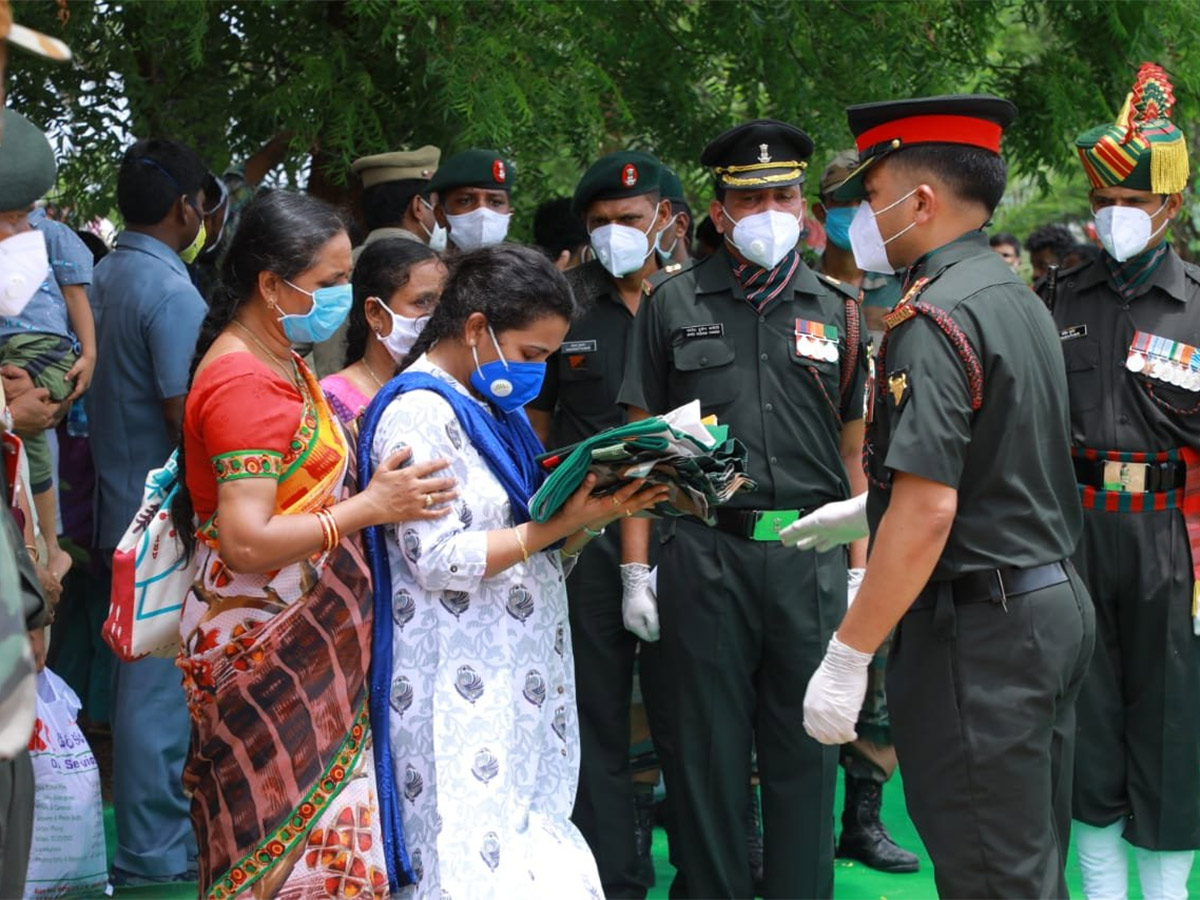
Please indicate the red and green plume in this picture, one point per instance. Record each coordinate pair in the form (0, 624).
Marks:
(1142, 150)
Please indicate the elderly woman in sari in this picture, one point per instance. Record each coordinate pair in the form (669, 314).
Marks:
(276, 629)
(484, 736)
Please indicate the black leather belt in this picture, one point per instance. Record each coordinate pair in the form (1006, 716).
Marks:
(1135, 478)
(993, 585)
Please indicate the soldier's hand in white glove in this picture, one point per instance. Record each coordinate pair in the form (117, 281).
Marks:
(835, 694)
(854, 579)
(639, 606)
(829, 526)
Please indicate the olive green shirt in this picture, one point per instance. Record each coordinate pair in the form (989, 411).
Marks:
(1113, 408)
(1010, 460)
(697, 337)
(584, 375)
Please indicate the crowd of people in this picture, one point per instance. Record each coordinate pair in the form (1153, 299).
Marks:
(965, 549)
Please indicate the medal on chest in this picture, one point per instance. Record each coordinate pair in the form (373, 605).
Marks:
(1163, 359)
(816, 340)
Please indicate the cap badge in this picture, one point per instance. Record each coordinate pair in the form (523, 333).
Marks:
(425, 173)
(498, 171)
(629, 175)
(763, 155)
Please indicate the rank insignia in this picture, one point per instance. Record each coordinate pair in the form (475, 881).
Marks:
(647, 287)
(902, 313)
(899, 387)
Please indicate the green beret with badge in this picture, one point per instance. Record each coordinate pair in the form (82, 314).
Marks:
(401, 165)
(758, 155)
(27, 166)
(626, 173)
(485, 169)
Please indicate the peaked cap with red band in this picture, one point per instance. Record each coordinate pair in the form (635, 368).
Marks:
(626, 173)
(1142, 150)
(973, 120)
(473, 168)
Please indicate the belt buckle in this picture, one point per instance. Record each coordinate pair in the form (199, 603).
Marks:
(769, 522)
(1128, 478)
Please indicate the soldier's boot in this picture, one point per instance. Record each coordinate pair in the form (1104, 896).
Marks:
(1103, 860)
(754, 843)
(643, 831)
(863, 836)
(1164, 874)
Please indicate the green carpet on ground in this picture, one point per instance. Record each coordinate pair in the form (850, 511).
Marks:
(852, 881)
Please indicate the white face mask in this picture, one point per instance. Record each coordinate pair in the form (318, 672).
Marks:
(24, 266)
(403, 335)
(621, 249)
(665, 252)
(1126, 230)
(870, 249)
(437, 237)
(480, 227)
(766, 237)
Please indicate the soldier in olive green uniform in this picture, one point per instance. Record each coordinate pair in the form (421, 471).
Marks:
(972, 511)
(474, 194)
(869, 761)
(775, 351)
(619, 201)
(1129, 323)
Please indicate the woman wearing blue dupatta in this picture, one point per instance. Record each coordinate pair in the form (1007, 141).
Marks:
(473, 694)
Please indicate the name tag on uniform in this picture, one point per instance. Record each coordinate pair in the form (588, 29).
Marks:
(570, 347)
(1165, 360)
(713, 329)
(1075, 331)
(816, 340)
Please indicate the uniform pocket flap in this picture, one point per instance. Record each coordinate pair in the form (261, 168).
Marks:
(697, 355)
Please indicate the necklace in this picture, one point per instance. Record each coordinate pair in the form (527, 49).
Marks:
(371, 372)
(293, 376)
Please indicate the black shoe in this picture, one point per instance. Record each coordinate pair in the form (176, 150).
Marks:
(643, 832)
(754, 843)
(863, 836)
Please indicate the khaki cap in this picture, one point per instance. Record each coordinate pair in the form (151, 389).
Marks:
(838, 171)
(401, 165)
(28, 39)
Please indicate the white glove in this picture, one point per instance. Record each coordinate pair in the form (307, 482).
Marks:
(854, 579)
(835, 694)
(639, 607)
(829, 526)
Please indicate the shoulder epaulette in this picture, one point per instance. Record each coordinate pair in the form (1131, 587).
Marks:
(1191, 270)
(838, 285)
(666, 273)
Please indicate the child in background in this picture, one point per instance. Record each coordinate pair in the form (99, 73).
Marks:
(54, 340)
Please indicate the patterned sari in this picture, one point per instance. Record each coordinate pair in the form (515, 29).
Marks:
(275, 666)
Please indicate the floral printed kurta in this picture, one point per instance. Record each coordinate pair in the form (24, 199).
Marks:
(485, 736)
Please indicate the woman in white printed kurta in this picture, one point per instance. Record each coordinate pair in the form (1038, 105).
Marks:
(485, 737)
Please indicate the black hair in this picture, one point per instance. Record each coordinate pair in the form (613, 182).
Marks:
(281, 232)
(972, 173)
(1056, 238)
(381, 270)
(94, 243)
(556, 228)
(154, 173)
(1003, 237)
(1083, 253)
(511, 284)
(385, 204)
(707, 234)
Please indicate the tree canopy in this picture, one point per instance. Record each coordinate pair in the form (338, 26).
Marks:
(554, 84)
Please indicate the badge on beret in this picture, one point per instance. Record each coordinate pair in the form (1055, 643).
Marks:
(629, 175)
(498, 172)
(899, 387)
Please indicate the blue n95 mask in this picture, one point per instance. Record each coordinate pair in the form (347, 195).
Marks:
(505, 382)
(329, 310)
(837, 225)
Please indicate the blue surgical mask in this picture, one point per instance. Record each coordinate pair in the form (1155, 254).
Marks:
(329, 310)
(506, 383)
(837, 225)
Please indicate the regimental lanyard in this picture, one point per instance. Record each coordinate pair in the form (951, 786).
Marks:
(816, 340)
(1160, 358)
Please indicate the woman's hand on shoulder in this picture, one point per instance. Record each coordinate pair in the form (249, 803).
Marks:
(401, 490)
(584, 509)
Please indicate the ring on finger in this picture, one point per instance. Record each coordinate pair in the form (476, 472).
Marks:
(428, 500)
(628, 513)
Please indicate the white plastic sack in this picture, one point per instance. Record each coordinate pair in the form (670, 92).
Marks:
(68, 856)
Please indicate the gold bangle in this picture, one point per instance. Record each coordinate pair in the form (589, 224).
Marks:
(324, 526)
(329, 530)
(521, 541)
(333, 527)
(33, 551)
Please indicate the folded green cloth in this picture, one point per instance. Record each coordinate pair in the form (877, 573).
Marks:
(701, 475)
